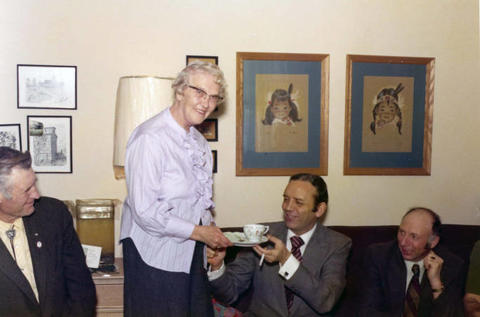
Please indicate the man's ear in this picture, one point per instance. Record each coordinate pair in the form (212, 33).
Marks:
(433, 241)
(321, 209)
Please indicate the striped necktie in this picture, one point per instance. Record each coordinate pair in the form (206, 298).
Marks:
(412, 298)
(297, 242)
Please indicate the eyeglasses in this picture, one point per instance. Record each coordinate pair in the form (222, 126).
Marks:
(202, 94)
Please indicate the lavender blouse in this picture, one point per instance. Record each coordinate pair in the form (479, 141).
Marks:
(169, 181)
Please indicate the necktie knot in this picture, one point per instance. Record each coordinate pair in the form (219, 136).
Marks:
(416, 270)
(297, 242)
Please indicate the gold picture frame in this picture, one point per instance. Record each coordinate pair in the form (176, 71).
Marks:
(282, 143)
(388, 115)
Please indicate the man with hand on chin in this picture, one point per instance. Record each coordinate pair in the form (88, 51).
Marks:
(304, 269)
(413, 276)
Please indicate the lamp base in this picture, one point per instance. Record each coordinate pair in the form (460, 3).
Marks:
(119, 172)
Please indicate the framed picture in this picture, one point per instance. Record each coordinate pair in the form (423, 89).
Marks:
(209, 129)
(50, 143)
(11, 136)
(388, 115)
(214, 154)
(46, 87)
(282, 114)
(210, 59)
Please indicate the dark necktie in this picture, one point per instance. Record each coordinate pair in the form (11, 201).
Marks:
(297, 242)
(11, 234)
(412, 299)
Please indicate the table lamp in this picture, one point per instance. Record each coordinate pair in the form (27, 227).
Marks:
(138, 99)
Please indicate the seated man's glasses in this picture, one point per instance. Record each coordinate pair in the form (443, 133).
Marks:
(202, 94)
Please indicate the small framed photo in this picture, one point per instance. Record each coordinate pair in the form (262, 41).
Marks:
(11, 136)
(209, 129)
(210, 59)
(214, 155)
(46, 87)
(50, 143)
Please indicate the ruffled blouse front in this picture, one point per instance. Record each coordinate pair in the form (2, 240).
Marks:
(202, 169)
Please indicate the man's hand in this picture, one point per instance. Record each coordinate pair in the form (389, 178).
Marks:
(433, 266)
(278, 254)
(211, 236)
(215, 257)
(472, 305)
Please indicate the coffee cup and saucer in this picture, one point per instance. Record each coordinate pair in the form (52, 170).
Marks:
(252, 235)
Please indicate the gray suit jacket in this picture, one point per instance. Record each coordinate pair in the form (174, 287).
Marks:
(64, 283)
(317, 284)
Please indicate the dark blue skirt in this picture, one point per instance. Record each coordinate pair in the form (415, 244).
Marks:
(152, 292)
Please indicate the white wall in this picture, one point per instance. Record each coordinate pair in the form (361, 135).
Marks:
(111, 38)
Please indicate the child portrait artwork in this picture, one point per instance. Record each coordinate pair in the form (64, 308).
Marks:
(387, 114)
(281, 108)
(281, 113)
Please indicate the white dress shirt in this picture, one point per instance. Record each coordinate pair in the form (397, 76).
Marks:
(409, 265)
(291, 264)
(288, 268)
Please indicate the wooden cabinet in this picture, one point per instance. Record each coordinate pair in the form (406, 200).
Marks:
(110, 291)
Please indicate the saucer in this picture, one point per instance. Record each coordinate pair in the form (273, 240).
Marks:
(238, 239)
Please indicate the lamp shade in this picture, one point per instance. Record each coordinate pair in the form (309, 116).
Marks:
(138, 99)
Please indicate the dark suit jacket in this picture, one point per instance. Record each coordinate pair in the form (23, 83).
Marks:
(317, 284)
(64, 283)
(384, 289)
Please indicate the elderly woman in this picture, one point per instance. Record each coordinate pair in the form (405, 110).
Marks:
(167, 218)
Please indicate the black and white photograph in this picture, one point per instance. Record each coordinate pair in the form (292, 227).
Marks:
(50, 143)
(46, 87)
(10, 135)
(203, 58)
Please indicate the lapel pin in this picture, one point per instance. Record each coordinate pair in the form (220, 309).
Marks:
(36, 234)
(39, 244)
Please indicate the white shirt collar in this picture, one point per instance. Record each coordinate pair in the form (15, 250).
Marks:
(305, 237)
(409, 265)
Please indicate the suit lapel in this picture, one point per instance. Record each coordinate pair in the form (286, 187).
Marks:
(38, 254)
(397, 279)
(315, 250)
(283, 234)
(11, 270)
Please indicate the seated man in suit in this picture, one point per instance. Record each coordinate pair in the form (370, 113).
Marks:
(412, 276)
(304, 269)
(42, 266)
(472, 296)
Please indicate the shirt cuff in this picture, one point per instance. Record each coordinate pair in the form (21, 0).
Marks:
(289, 267)
(213, 275)
(180, 228)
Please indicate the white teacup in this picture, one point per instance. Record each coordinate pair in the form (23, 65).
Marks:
(254, 232)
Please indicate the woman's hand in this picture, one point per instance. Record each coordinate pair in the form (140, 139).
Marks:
(211, 236)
